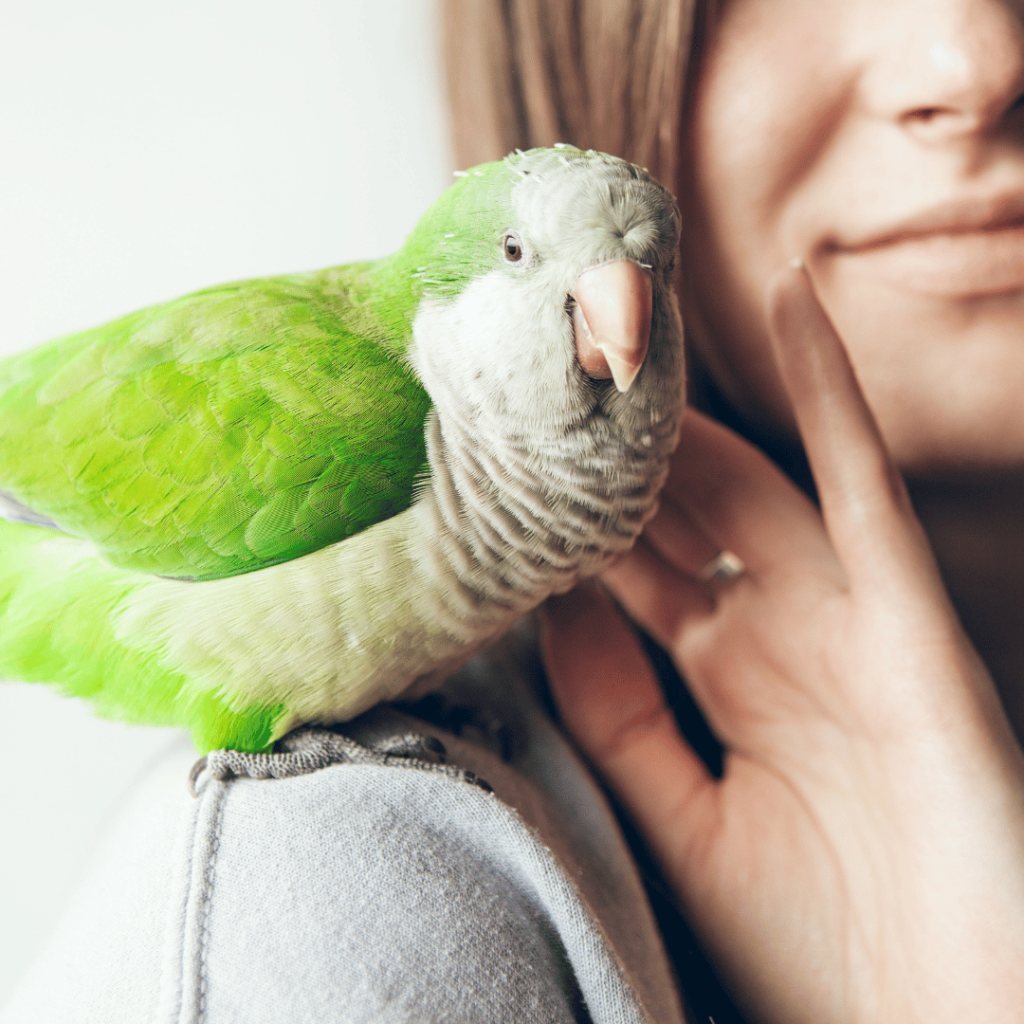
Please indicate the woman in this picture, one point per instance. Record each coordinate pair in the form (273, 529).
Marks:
(862, 857)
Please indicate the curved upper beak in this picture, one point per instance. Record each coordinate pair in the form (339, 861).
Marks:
(612, 320)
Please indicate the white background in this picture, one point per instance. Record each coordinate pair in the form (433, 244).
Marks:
(148, 149)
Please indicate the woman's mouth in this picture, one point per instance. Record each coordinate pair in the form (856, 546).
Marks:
(955, 250)
(956, 264)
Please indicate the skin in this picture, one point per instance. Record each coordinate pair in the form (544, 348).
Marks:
(862, 858)
(823, 123)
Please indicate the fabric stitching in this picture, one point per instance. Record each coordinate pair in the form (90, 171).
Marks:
(206, 900)
(170, 1002)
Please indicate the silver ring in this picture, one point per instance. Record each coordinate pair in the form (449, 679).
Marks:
(723, 568)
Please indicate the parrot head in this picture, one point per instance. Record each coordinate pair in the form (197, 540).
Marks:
(546, 286)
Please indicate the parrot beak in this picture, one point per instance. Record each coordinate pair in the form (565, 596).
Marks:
(611, 320)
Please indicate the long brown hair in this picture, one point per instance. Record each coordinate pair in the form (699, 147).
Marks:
(601, 74)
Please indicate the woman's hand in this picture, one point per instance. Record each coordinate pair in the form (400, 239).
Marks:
(862, 858)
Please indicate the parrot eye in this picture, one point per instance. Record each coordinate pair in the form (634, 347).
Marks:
(512, 246)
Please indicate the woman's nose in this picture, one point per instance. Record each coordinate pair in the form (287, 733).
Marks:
(947, 69)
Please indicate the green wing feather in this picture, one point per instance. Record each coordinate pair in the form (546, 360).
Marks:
(224, 431)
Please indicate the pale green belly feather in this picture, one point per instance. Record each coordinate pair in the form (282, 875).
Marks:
(328, 635)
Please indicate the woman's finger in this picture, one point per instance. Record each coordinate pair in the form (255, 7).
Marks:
(611, 704)
(655, 594)
(740, 500)
(679, 540)
(862, 494)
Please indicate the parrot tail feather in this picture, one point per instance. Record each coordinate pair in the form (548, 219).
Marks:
(58, 607)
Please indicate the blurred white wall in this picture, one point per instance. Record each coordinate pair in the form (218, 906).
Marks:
(147, 150)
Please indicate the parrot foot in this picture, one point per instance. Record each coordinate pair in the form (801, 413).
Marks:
(377, 738)
(478, 725)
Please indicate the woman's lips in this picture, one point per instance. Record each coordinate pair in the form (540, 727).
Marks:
(968, 246)
(953, 264)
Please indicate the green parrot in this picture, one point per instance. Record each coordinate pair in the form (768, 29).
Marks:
(284, 500)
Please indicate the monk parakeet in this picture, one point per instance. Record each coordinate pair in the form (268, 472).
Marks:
(283, 500)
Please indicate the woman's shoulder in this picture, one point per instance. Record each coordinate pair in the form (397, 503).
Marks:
(389, 870)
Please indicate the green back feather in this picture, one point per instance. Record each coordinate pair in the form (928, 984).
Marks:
(218, 433)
